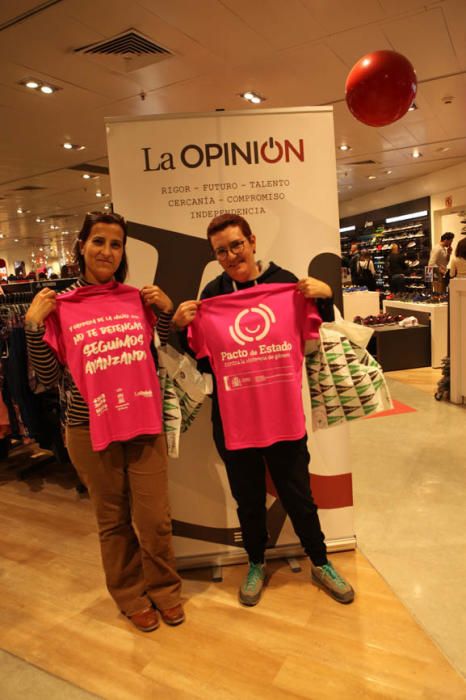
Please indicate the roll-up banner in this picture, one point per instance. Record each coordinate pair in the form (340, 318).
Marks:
(170, 175)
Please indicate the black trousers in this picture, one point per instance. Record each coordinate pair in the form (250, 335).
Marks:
(287, 463)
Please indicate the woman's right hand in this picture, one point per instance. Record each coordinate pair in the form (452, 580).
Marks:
(42, 305)
(185, 313)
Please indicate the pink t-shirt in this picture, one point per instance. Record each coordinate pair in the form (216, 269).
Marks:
(102, 333)
(254, 340)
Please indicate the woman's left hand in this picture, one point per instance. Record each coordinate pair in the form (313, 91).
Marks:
(313, 288)
(154, 296)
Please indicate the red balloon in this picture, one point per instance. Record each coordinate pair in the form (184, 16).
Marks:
(380, 88)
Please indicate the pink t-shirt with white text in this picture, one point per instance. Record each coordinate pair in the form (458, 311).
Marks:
(102, 333)
(254, 340)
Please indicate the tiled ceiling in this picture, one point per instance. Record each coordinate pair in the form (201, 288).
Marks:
(295, 53)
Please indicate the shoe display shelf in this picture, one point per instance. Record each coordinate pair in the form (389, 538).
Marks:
(458, 340)
(413, 238)
(434, 315)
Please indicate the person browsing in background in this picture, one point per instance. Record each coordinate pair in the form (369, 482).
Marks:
(457, 263)
(234, 246)
(365, 271)
(353, 261)
(101, 332)
(396, 268)
(441, 252)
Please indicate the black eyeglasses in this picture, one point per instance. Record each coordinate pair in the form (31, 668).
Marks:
(236, 248)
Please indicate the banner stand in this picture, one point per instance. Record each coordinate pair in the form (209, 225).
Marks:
(170, 175)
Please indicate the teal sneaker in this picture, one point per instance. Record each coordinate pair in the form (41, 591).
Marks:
(251, 588)
(327, 578)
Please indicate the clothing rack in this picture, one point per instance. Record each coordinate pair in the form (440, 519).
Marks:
(34, 287)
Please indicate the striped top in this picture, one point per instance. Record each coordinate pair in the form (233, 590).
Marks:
(50, 372)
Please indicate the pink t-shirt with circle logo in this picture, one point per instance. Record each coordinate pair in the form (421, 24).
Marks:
(254, 340)
(102, 333)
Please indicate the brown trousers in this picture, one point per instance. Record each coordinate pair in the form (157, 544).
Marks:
(128, 484)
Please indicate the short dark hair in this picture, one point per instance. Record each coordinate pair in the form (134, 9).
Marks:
(99, 217)
(460, 251)
(448, 236)
(220, 223)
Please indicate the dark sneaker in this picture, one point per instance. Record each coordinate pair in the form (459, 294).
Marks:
(251, 588)
(330, 581)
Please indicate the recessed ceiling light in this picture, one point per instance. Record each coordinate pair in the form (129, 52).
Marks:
(73, 146)
(16, 240)
(39, 85)
(86, 176)
(371, 177)
(20, 210)
(2, 235)
(344, 147)
(416, 154)
(98, 193)
(252, 97)
(388, 172)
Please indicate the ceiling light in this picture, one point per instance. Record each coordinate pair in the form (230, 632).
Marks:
(405, 217)
(86, 176)
(73, 146)
(344, 147)
(252, 97)
(98, 193)
(106, 207)
(371, 177)
(16, 240)
(388, 172)
(39, 85)
(413, 107)
(2, 235)
(416, 154)
(347, 228)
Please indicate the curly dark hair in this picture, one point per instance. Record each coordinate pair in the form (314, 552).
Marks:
(460, 251)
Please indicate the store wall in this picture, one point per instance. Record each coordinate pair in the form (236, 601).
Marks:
(450, 182)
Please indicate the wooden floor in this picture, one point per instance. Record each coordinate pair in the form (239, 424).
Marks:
(298, 643)
(422, 378)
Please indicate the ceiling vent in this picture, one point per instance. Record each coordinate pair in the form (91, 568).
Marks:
(91, 168)
(361, 162)
(29, 188)
(128, 51)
